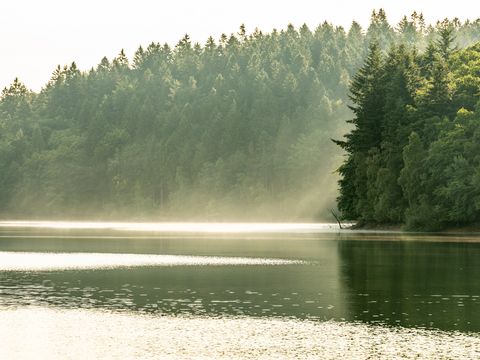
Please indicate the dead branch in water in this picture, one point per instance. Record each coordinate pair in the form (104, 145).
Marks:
(336, 218)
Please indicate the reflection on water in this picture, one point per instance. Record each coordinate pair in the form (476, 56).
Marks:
(389, 281)
(94, 334)
(413, 283)
(31, 261)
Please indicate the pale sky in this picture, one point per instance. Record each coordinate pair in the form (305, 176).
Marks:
(37, 35)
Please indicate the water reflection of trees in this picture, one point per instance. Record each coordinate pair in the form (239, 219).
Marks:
(412, 283)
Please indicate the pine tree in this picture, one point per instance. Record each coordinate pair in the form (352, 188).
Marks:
(368, 98)
(445, 39)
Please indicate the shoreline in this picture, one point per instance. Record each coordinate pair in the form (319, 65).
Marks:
(238, 227)
(449, 230)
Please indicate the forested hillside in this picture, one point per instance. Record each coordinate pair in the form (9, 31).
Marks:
(413, 155)
(240, 127)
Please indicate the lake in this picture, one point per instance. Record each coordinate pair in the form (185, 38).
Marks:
(184, 290)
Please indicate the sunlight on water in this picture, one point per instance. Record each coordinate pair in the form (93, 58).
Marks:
(33, 261)
(180, 227)
(91, 334)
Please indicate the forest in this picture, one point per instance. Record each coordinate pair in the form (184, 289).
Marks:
(413, 155)
(241, 128)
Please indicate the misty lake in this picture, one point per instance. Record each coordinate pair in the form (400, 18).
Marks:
(177, 291)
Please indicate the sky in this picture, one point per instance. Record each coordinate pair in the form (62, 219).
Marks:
(35, 36)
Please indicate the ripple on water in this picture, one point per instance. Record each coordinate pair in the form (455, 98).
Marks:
(55, 334)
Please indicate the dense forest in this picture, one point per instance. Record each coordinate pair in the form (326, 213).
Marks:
(241, 127)
(413, 155)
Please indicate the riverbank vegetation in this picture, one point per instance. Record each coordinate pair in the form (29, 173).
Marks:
(240, 127)
(413, 155)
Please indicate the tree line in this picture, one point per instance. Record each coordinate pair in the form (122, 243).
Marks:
(413, 154)
(238, 126)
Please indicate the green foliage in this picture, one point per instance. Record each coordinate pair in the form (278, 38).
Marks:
(239, 127)
(419, 154)
(227, 129)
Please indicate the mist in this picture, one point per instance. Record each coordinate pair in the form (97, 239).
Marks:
(238, 128)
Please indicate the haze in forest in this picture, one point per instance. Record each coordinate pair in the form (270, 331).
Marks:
(238, 127)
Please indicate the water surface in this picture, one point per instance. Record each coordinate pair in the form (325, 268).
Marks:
(276, 276)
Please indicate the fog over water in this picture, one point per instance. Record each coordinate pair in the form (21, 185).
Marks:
(177, 227)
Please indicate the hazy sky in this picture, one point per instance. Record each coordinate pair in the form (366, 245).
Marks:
(36, 35)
